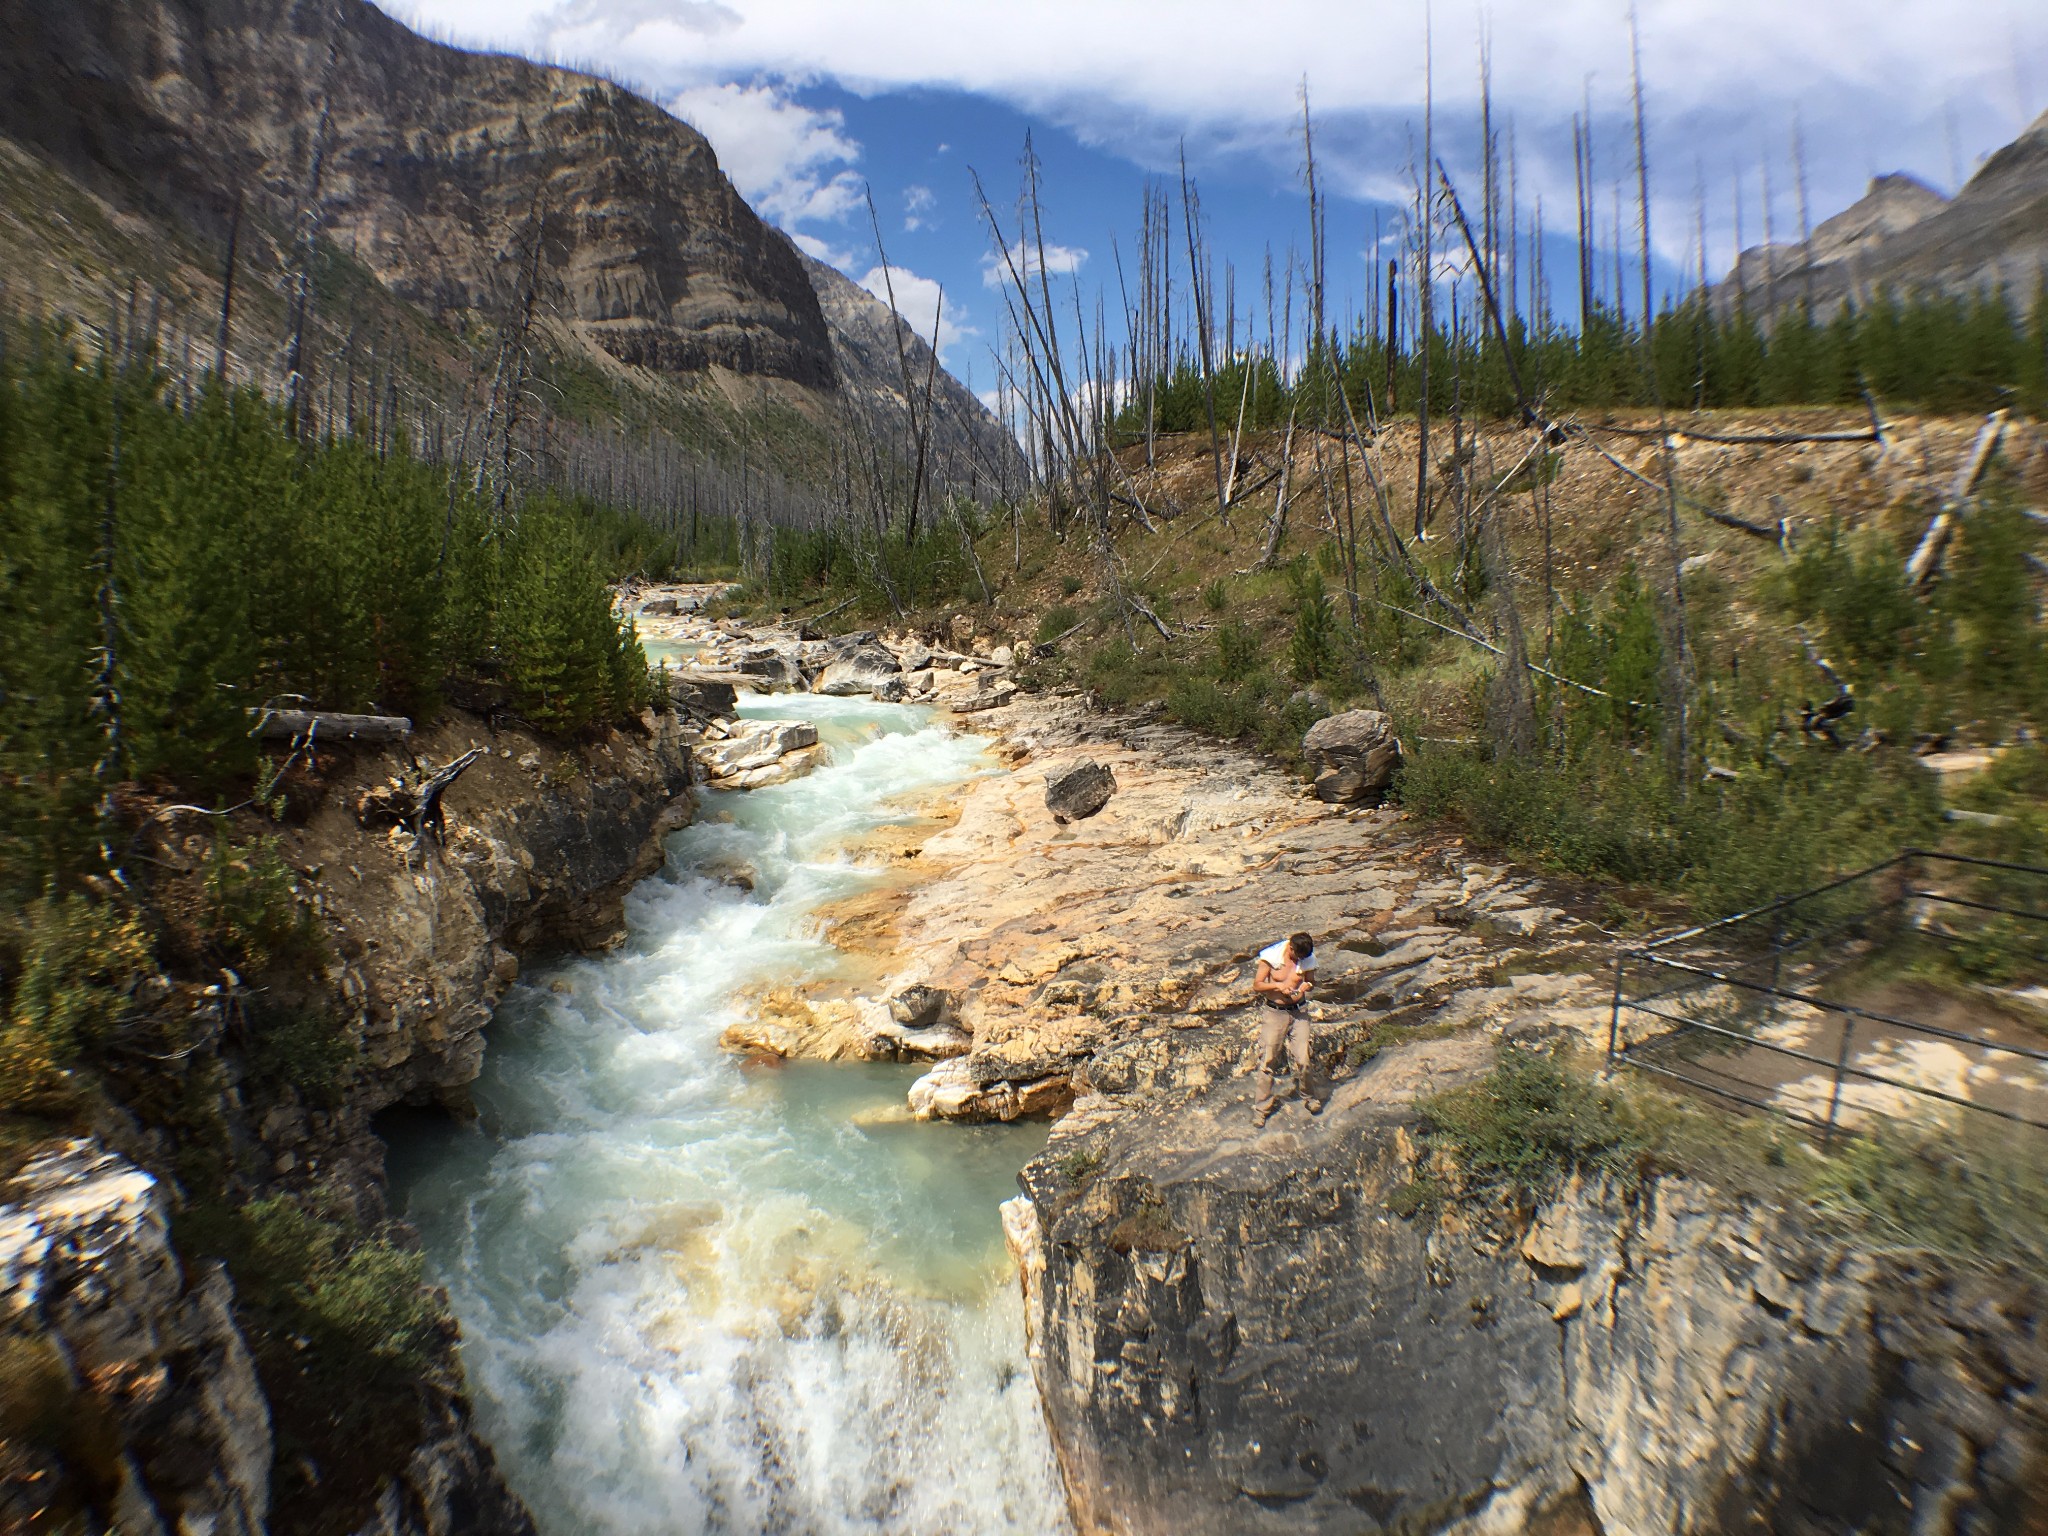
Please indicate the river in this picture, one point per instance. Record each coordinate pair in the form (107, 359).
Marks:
(700, 1298)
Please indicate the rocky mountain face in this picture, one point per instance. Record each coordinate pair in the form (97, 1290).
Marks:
(865, 335)
(437, 168)
(442, 180)
(1904, 236)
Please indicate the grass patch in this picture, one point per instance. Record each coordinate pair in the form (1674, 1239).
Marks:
(1974, 1192)
(1532, 1123)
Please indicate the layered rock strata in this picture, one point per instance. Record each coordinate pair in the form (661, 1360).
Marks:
(132, 1402)
(438, 169)
(1233, 1332)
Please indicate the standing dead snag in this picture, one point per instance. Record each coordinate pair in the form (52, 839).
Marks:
(1192, 224)
(1276, 525)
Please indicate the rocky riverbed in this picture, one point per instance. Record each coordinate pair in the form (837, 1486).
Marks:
(1231, 1328)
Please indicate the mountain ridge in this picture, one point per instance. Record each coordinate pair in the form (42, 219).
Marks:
(133, 127)
(1904, 237)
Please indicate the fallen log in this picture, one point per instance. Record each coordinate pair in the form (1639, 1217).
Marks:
(311, 725)
(1925, 564)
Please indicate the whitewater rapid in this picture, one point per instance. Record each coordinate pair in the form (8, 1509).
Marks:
(696, 1297)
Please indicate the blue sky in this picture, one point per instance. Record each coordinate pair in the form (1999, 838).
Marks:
(809, 103)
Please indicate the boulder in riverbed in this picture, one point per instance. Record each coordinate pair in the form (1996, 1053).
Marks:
(702, 694)
(950, 1092)
(1077, 792)
(1354, 756)
(857, 670)
(756, 752)
(918, 1006)
(771, 668)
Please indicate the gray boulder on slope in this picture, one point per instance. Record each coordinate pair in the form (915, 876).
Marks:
(1073, 794)
(1354, 756)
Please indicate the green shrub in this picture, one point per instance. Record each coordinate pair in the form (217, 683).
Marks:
(1204, 705)
(1055, 622)
(78, 965)
(1607, 811)
(1988, 592)
(1069, 585)
(312, 1271)
(1312, 650)
(254, 919)
(1532, 1123)
(1237, 652)
(306, 1048)
(1973, 1190)
(1216, 596)
(1854, 591)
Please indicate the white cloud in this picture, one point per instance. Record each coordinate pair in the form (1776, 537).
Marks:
(917, 202)
(919, 300)
(1060, 261)
(1873, 81)
(820, 250)
(780, 154)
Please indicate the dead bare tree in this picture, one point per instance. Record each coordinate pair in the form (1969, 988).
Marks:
(227, 291)
(1192, 225)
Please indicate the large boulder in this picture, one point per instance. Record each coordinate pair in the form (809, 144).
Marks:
(857, 670)
(703, 694)
(919, 1006)
(990, 697)
(750, 753)
(1353, 756)
(771, 668)
(1072, 794)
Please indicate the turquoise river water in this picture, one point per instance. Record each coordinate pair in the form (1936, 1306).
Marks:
(701, 1298)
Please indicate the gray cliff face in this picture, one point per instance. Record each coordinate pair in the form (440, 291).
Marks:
(436, 161)
(1234, 1333)
(864, 348)
(1904, 236)
(149, 1413)
(134, 1396)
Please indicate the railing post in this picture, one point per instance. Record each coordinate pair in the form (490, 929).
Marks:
(1827, 1136)
(1614, 1014)
(1777, 966)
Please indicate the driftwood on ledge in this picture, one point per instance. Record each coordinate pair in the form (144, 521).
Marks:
(324, 726)
(414, 800)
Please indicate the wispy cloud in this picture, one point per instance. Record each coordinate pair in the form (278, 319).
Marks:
(920, 301)
(1060, 261)
(787, 159)
(917, 202)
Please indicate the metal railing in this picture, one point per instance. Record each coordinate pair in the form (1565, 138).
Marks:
(1783, 1008)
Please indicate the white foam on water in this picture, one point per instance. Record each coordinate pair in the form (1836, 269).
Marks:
(696, 1298)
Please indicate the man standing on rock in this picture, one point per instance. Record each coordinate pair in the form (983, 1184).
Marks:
(1286, 972)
